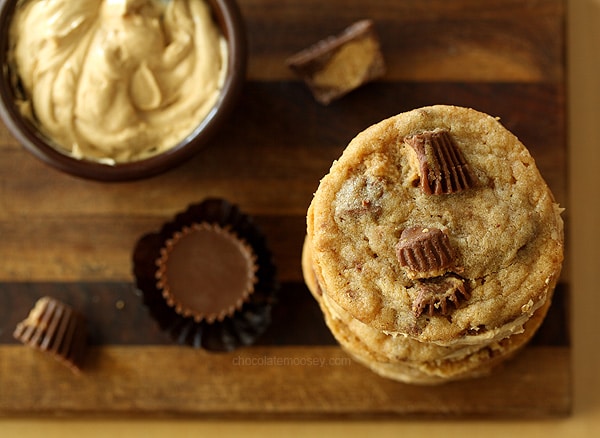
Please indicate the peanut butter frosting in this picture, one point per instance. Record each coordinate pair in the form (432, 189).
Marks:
(117, 80)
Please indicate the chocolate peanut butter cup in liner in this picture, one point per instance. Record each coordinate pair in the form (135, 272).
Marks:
(55, 328)
(206, 272)
(207, 277)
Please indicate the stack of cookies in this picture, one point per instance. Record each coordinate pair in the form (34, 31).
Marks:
(433, 245)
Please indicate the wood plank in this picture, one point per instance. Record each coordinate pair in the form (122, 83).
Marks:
(465, 40)
(115, 315)
(64, 248)
(271, 166)
(73, 238)
(270, 382)
(277, 146)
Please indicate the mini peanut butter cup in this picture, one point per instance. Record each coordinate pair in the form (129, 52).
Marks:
(442, 166)
(206, 272)
(207, 277)
(55, 328)
(425, 252)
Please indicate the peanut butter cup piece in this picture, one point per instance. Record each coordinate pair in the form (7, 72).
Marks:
(247, 324)
(206, 272)
(439, 295)
(339, 64)
(425, 252)
(55, 328)
(442, 167)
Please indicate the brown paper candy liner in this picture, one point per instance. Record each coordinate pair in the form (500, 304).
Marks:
(55, 328)
(247, 323)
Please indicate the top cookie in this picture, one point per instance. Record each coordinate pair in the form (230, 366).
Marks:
(437, 225)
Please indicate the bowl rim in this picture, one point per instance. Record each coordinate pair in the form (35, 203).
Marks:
(228, 16)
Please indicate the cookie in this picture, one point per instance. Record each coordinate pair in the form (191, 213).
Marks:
(404, 359)
(436, 225)
(479, 363)
(433, 246)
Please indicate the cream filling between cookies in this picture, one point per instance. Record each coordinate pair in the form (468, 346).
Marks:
(404, 368)
(471, 343)
(489, 336)
(338, 313)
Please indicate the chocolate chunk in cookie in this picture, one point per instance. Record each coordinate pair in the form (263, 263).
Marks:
(425, 252)
(439, 295)
(442, 167)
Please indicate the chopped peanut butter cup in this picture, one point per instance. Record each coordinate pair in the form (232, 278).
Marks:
(206, 272)
(54, 327)
(442, 167)
(439, 295)
(339, 64)
(425, 252)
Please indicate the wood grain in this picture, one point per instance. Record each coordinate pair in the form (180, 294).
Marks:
(73, 238)
(115, 316)
(283, 382)
(270, 165)
(435, 40)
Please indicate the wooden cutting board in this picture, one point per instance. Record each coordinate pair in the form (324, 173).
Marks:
(73, 239)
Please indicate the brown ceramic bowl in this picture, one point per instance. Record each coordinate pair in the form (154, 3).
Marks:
(228, 16)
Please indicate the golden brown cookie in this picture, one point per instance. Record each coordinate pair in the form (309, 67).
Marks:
(410, 361)
(436, 225)
(433, 246)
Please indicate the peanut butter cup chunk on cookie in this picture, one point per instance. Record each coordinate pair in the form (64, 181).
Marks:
(425, 252)
(339, 64)
(462, 259)
(443, 169)
(439, 295)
